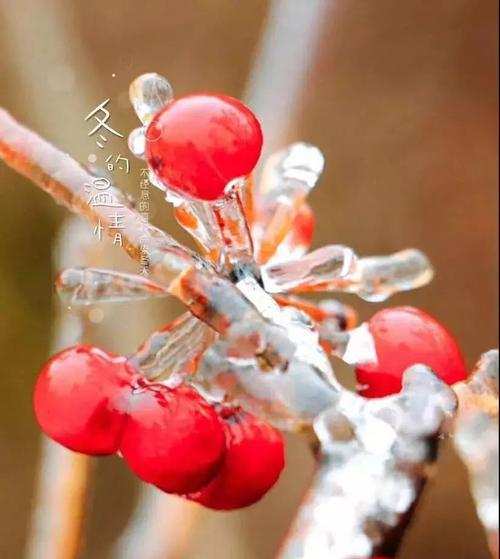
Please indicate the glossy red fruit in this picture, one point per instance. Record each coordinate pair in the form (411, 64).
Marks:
(253, 463)
(81, 397)
(198, 143)
(403, 337)
(172, 438)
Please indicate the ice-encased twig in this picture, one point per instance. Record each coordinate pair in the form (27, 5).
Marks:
(88, 286)
(64, 179)
(198, 220)
(213, 299)
(376, 278)
(288, 177)
(476, 439)
(480, 391)
(374, 461)
(174, 350)
(229, 214)
(271, 363)
(324, 266)
(344, 316)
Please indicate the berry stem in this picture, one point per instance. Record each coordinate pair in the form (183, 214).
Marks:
(230, 216)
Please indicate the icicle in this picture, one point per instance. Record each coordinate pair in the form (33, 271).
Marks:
(88, 286)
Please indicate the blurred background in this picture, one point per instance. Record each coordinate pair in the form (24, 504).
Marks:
(402, 99)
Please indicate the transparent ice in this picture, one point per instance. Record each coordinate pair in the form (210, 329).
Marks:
(250, 338)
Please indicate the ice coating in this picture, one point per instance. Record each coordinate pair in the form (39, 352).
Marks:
(270, 353)
(198, 220)
(174, 350)
(325, 266)
(379, 277)
(372, 467)
(276, 369)
(298, 240)
(288, 177)
(373, 279)
(88, 286)
(230, 216)
(64, 179)
(137, 142)
(476, 439)
(480, 390)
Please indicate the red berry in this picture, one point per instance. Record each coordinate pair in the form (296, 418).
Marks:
(405, 336)
(81, 398)
(198, 143)
(252, 465)
(172, 438)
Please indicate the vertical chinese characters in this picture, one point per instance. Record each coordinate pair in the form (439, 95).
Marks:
(144, 213)
(99, 191)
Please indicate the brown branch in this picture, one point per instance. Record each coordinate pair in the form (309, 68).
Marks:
(64, 179)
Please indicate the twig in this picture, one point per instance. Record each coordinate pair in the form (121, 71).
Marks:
(64, 179)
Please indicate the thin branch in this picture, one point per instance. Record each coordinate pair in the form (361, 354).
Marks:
(64, 179)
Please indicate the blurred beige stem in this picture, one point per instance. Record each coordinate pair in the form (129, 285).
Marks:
(63, 476)
(161, 527)
(58, 520)
(288, 47)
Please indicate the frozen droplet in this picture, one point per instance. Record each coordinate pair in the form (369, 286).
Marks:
(137, 142)
(148, 94)
(320, 269)
(87, 286)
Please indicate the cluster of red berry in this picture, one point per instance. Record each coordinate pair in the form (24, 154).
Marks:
(94, 402)
(222, 457)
